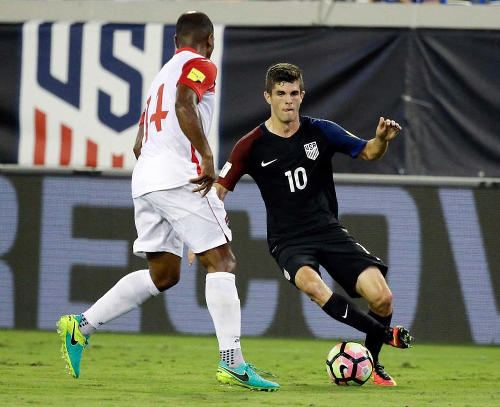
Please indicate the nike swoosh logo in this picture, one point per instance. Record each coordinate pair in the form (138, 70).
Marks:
(73, 342)
(242, 377)
(269, 162)
(346, 308)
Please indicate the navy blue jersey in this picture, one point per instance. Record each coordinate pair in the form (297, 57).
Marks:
(294, 175)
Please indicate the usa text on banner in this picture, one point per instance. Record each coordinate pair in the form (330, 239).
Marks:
(82, 90)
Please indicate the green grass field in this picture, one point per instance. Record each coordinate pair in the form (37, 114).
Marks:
(154, 370)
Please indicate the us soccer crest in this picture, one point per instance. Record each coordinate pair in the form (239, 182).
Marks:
(311, 150)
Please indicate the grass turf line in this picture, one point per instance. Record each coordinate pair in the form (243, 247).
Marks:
(151, 370)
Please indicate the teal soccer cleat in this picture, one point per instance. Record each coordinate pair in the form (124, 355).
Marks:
(245, 375)
(73, 342)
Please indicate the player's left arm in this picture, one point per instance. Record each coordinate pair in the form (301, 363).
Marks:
(138, 141)
(375, 148)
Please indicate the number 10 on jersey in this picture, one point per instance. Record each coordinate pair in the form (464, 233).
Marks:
(298, 180)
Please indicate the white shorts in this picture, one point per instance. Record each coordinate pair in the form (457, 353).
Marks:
(166, 219)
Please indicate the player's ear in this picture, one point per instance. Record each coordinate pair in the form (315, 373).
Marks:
(210, 44)
(267, 96)
(176, 42)
(302, 94)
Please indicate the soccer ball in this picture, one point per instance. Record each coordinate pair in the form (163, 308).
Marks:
(349, 364)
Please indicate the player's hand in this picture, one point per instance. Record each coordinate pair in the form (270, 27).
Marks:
(387, 129)
(191, 257)
(206, 178)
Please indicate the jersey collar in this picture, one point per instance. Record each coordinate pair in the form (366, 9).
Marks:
(187, 49)
(266, 130)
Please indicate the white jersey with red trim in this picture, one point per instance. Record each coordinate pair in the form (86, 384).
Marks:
(168, 159)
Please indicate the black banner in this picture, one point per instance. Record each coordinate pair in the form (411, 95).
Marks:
(10, 72)
(453, 103)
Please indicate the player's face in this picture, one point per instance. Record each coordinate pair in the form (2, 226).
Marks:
(285, 100)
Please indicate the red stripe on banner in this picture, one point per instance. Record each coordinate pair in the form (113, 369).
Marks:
(91, 154)
(117, 161)
(194, 159)
(40, 137)
(66, 135)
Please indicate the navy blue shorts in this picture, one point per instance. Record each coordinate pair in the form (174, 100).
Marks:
(335, 249)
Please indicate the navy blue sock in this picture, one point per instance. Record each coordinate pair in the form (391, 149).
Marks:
(372, 342)
(344, 310)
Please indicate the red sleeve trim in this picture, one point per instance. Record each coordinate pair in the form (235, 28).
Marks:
(199, 74)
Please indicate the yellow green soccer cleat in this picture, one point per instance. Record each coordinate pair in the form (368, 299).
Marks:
(245, 375)
(73, 342)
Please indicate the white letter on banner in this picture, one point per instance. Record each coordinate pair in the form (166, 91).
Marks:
(401, 214)
(60, 251)
(8, 225)
(258, 312)
(460, 214)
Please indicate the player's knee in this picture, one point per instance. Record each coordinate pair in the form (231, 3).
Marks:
(168, 281)
(313, 288)
(227, 264)
(165, 279)
(382, 304)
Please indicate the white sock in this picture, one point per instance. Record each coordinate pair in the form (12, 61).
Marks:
(224, 307)
(127, 294)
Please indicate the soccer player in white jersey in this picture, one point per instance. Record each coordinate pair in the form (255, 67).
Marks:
(175, 203)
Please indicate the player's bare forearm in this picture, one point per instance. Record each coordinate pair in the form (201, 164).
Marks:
(221, 191)
(190, 123)
(375, 148)
(138, 141)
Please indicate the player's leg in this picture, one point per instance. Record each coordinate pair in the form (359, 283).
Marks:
(127, 294)
(223, 302)
(224, 306)
(335, 305)
(372, 286)
(132, 290)
(154, 235)
(201, 223)
(362, 274)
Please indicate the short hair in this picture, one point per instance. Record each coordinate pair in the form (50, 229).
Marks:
(283, 72)
(194, 24)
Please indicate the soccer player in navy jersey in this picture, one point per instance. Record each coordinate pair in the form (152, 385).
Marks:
(289, 157)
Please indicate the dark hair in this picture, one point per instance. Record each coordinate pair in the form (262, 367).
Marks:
(194, 25)
(283, 72)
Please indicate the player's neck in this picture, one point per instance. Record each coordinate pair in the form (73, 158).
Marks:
(200, 49)
(282, 129)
